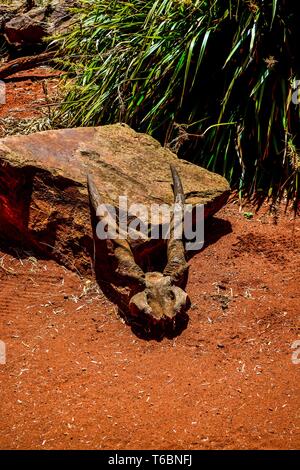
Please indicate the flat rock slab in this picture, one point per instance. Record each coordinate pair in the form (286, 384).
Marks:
(43, 191)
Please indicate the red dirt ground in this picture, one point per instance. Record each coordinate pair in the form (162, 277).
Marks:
(77, 377)
(25, 97)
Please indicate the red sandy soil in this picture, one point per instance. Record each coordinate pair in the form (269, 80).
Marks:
(25, 96)
(77, 377)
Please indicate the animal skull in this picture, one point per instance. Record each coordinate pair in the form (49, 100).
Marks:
(159, 299)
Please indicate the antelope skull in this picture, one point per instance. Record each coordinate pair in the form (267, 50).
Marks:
(159, 298)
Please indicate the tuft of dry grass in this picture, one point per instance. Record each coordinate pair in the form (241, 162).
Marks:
(15, 126)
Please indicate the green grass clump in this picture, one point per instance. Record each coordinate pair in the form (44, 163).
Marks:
(211, 79)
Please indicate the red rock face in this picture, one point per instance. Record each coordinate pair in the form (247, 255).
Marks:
(43, 193)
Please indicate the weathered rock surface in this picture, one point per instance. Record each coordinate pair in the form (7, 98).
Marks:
(8, 11)
(43, 191)
(28, 28)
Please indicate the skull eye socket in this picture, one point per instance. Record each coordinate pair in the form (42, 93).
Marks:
(149, 295)
(171, 295)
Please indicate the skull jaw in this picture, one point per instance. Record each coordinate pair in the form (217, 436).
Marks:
(161, 317)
